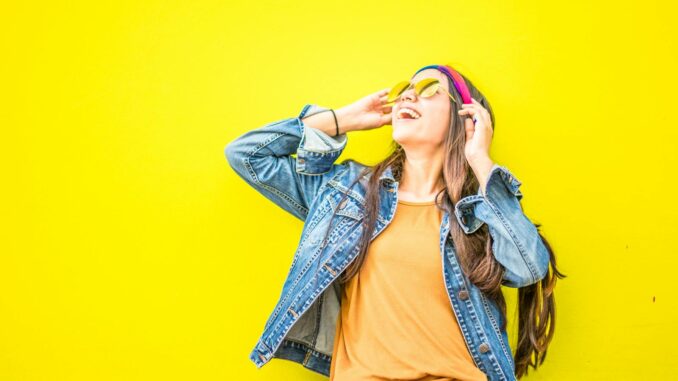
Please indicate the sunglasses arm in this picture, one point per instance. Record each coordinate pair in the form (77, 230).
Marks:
(448, 93)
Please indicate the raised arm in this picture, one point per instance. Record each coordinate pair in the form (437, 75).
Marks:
(516, 242)
(263, 157)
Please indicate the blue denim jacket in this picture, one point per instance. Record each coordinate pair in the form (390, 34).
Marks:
(302, 325)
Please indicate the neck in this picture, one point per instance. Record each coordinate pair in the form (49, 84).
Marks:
(422, 176)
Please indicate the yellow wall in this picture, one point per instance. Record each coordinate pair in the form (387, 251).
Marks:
(131, 251)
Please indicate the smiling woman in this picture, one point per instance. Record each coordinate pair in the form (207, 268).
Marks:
(399, 269)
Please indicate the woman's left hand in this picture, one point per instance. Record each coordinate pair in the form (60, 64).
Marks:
(478, 135)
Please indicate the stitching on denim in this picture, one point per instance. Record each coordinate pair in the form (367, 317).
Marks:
(465, 331)
(305, 269)
(335, 184)
(353, 212)
(284, 196)
(505, 175)
(297, 344)
(514, 238)
(340, 230)
(287, 295)
(456, 272)
(462, 326)
(494, 322)
(314, 220)
(286, 327)
(297, 254)
(302, 127)
(468, 203)
(319, 153)
(322, 289)
(318, 316)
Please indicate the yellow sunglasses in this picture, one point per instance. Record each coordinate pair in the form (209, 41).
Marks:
(425, 88)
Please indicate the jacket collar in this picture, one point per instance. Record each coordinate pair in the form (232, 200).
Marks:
(387, 175)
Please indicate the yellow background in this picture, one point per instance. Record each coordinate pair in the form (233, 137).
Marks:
(131, 250)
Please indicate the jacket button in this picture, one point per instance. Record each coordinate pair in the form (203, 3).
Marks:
(484, 348)
(463, 294)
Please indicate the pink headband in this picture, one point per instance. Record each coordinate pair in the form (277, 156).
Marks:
(456, 79)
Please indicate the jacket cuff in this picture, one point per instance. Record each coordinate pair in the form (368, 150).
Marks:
(317, 151)
(500, 183)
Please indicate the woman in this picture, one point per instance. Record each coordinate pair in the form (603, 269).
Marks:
(398, 271)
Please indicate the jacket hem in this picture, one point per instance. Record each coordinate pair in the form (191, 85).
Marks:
(296, 352)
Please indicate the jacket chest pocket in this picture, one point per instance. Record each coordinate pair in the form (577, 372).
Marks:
(348, 214)
(347, 207)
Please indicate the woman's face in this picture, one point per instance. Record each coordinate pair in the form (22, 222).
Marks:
(434, 114)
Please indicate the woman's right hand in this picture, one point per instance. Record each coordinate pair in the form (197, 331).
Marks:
(368, 112)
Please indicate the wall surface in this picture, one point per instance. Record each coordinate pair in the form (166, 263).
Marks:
(130, 250)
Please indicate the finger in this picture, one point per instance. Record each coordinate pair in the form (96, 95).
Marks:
(486, 115)
(476, 107)
(386, 119)
(470, 128)
(479, 105)
(471, 114)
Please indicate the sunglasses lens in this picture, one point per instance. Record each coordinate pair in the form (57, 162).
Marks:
(396, 91)
(427, 87)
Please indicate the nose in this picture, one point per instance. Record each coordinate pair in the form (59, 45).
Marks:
(409, 94)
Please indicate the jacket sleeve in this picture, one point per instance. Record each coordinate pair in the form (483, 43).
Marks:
(263, 157)
(516, 241)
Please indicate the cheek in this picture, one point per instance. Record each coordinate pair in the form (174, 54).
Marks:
(439, 123)
(439, 128)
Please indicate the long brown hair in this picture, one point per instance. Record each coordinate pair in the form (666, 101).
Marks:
(536, 302)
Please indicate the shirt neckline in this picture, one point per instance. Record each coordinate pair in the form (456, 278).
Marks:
(420, 203)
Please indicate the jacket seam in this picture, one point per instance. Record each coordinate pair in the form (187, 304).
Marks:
(289, 199)
(493, 322)
(516, 242)
(323, 286)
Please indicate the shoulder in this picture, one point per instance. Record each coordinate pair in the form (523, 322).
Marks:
(352, 170)
(352, 180)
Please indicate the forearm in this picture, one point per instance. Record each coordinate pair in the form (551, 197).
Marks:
(324, 121)
(481, 167)
(263, 158)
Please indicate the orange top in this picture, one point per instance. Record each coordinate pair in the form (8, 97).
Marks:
(396, 320)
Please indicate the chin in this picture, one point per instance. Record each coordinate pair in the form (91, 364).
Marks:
(402, 133)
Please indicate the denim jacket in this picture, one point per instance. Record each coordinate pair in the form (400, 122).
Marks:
(302, 325)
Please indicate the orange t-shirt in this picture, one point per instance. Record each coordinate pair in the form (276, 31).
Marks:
(396, 321)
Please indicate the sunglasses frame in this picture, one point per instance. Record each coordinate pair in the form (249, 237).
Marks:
(436, 82)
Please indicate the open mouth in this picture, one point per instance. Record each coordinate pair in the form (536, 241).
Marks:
(408, 114)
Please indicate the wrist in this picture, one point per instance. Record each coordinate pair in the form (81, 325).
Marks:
(481, 166)
(479, 160)
(346, 119)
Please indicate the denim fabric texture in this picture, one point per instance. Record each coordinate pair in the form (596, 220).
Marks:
(302, 325)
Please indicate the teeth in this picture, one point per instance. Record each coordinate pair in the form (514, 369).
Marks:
(411, 112)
